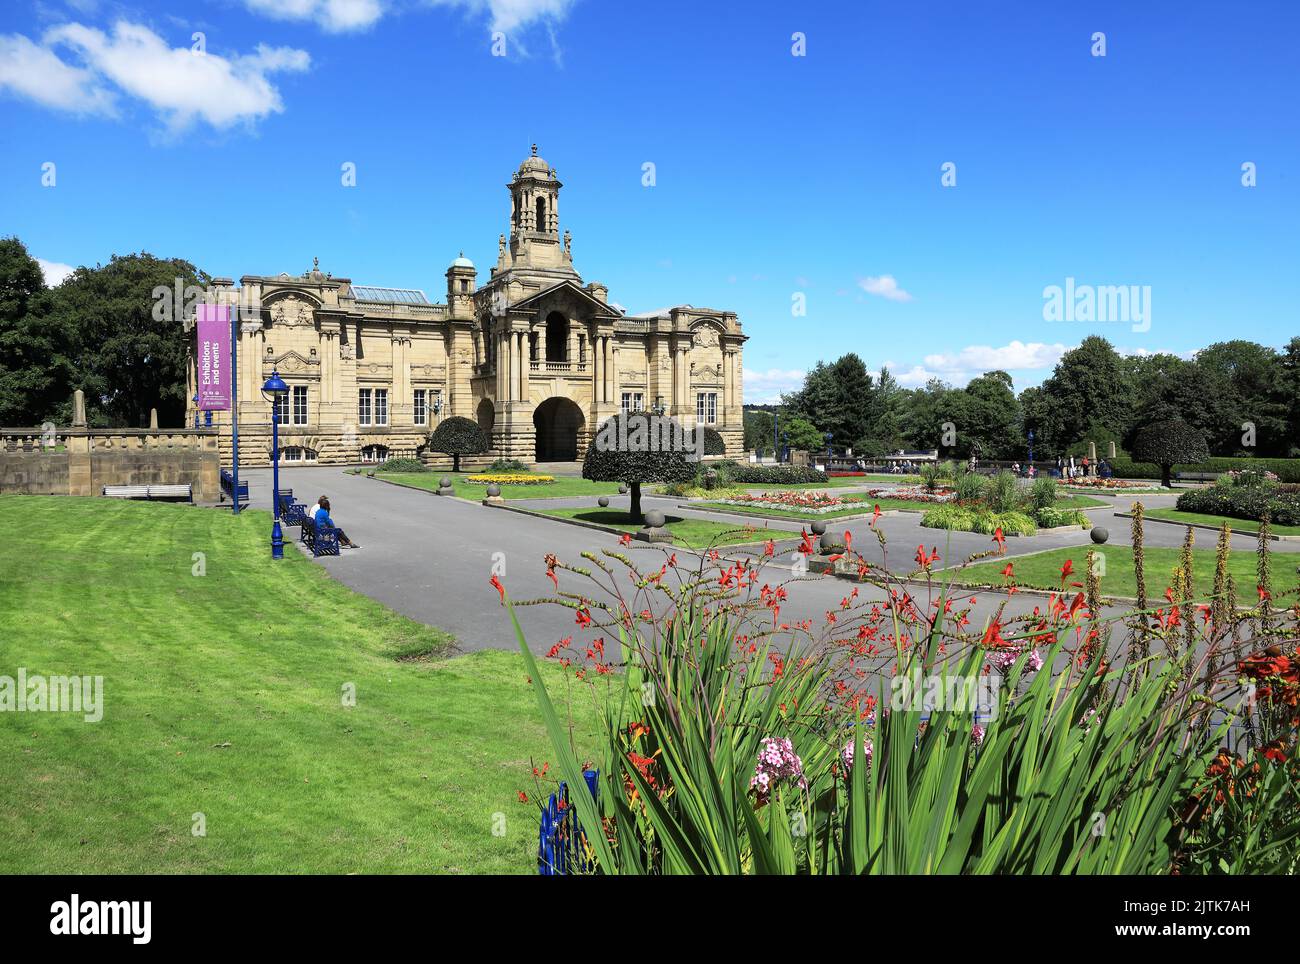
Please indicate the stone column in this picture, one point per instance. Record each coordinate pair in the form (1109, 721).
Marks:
(598, 369)
(541, 345)
(523, 366)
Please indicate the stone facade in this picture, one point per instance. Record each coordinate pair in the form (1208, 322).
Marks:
(536, 356)
(81, 461)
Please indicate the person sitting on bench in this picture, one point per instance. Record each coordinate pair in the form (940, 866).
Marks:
(323, 519)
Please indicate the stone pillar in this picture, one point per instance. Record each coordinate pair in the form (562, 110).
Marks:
(523, 366)
(598, 367)
(153, 419)
(78, 409)
(541, 345)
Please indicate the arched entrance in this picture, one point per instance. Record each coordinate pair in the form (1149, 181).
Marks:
(557, 422)
(487, 415)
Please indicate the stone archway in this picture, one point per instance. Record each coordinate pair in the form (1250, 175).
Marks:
(557, 423)
(487, 416)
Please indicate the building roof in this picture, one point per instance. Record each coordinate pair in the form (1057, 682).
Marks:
(404, 296)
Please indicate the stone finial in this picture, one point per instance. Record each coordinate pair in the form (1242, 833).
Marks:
(1112, 451)
(79, 409)
(534, 150)
(153, 419)
(1092, 451)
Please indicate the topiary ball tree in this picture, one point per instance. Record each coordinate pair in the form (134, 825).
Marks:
(1167, 444)
(713, 443)
(638, 447)
(457, 436)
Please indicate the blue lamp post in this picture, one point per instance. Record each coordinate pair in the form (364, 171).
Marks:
(273, 389)
(828, 444)
(1031, 448)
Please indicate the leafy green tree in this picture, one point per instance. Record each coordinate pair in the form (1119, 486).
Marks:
(35, 372)
(635, 448)
(1090, 384)
(1167, 444)
(457, 436)
(129, 357)
(758, 431)
(992, 424)
(803, 434)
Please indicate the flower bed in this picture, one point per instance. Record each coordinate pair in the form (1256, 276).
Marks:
(913, 494)
(813, 503)
(1096, 482)
(509, 478)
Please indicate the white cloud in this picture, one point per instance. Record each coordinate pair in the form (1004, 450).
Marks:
(37, 73)
(180, 85)
(764, 388)
(333, 16)
(508, 15)
(959, 367)
(54, 271)
(884, 286)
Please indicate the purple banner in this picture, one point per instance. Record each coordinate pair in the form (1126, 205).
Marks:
(212, 363)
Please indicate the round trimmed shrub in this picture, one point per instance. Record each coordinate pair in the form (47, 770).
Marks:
(457, 436)
(713, 443)
(1167, 444)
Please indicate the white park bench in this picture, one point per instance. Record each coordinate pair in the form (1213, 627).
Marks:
(176, 491)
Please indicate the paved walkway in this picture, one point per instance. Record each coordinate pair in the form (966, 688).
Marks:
(430, 557)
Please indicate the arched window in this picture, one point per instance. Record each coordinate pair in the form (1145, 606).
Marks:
(541, 213)
(557, 337)
(297, 453)
(374, 453)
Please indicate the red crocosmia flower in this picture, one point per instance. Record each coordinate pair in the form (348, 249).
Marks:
(1009, 571)
(523, 797)
(626, 538)
(769, 548)
(875, 515)
(550, 574)
(1000, 539)
(1067, 569)
(496, 584)
(584, 618)
(993, 635)
(806, 547)
(848, 541)
(1264, 594)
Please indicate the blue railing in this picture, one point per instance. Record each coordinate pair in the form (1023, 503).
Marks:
(228, 484)
(561, 846)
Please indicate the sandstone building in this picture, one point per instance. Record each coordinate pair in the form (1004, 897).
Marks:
(536, 356)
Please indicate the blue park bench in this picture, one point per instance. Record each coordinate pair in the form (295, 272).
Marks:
(227, 487)
(561, 848)
(321, 540)
(291, 513)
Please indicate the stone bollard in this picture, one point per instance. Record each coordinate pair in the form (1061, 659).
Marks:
(444, 486)
(655, 528)
(493, 495)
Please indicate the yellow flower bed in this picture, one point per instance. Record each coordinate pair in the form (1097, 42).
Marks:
(510, 478)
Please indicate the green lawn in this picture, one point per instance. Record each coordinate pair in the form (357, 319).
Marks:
(1078, 502)
(859, 506)
(691, 533)
(222, 696)
(1042, 570)
(1245, 525)
(562, 487)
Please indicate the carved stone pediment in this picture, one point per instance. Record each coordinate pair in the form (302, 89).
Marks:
(292, 312)
(292, 363)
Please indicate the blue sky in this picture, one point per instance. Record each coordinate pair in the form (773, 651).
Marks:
(776, 174)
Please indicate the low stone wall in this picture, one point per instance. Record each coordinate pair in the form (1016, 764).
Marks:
(81, 461)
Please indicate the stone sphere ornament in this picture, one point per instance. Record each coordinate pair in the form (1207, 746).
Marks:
(603, 502)
(818, 528)
(445, 482)
(622, 489)
(493, 490)
(654, 519)
(828, 543)
(1099, 534)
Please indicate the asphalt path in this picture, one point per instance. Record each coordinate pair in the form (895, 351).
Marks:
(431, 557)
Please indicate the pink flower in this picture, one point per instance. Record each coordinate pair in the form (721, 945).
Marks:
(847, 754)
(777, 763)
(977, 735)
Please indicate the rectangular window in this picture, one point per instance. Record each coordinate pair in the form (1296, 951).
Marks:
(381, 406)
(282, 408)
(419, 408)
(300, 405)
(627, 402)
(638, 402)
(706, 408)
(363, 406)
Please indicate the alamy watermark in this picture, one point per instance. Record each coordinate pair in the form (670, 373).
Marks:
(1126, 304)
(951, 693)
(644, 432)
(53, 694)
